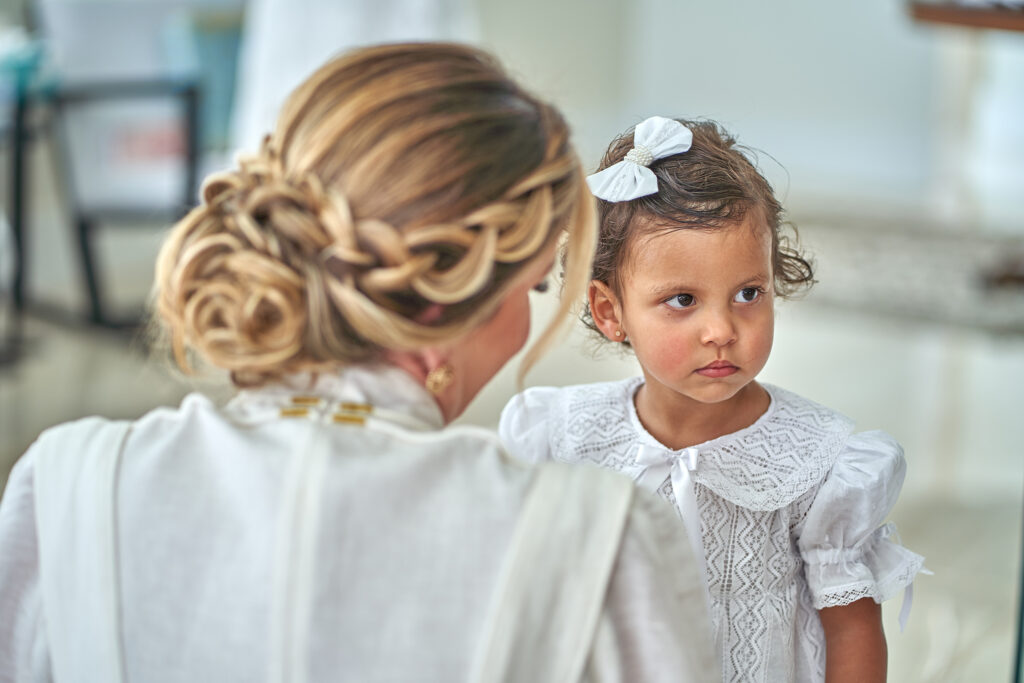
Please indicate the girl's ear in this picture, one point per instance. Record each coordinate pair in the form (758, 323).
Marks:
(606, 310)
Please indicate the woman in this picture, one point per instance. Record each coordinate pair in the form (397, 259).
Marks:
(361, 279)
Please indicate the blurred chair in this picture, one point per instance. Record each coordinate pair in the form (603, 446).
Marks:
(19, 59)
(125, 93)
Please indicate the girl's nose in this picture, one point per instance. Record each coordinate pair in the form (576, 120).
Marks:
(718, 329)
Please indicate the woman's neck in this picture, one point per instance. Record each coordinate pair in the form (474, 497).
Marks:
(678, 421)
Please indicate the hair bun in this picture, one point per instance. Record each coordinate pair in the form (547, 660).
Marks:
(431, 185)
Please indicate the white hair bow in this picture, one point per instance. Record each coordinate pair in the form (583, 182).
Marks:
(654, 138)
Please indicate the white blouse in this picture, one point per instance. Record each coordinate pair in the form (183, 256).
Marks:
(790, 511)
(410, 526)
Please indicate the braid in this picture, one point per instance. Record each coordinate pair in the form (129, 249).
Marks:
(279, 270)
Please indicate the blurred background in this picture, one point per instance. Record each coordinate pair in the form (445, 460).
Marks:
(893, 133)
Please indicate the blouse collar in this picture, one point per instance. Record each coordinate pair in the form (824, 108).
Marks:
(648, 439)
(392, 393)
(769, 464)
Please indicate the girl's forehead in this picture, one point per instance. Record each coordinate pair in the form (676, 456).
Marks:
(695, 258)
(654, 238)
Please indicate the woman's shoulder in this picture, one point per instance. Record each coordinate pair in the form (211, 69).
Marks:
(70, 437)
(67, 440)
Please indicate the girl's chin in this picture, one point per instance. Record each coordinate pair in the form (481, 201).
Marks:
(721, 391)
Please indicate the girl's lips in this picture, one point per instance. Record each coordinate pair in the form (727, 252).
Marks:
(719, 368)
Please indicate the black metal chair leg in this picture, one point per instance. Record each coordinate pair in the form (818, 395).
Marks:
(19, 188)
(11, 334)
(84, 228)
(191, 190)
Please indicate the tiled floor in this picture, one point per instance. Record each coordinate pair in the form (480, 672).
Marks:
(950, 395)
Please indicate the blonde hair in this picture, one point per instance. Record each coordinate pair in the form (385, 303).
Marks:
(403, 190)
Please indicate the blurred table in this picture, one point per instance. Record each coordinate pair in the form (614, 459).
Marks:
(968, 279)
(993, 16)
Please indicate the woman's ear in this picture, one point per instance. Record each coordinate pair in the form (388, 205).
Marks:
(606, 310)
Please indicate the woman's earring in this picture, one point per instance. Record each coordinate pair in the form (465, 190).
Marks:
(618, 333)
(439, 379)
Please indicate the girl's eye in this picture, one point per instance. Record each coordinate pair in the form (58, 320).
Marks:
(541, 286)
(680, 301)
(747, 295)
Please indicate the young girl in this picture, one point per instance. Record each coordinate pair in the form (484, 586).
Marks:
(787, 500)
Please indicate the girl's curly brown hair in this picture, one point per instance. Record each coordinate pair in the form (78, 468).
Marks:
(712, 185)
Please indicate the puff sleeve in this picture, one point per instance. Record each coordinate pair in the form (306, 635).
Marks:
(848, 552)
(524, 426)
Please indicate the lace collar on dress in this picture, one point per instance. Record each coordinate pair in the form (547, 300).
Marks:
(765, 466)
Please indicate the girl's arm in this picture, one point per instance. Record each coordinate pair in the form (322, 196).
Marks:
(854, 642)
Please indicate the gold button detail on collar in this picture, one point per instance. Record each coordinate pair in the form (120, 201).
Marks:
(361, 408)
(348, 418)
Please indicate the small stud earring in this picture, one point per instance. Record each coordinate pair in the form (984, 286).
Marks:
(439, 379)
(618, 333)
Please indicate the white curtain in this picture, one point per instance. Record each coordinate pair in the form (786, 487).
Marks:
(286, 40)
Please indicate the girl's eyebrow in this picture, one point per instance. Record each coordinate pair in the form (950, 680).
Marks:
(754, 279)
(665, 290)
(671, 288)
(759, 277)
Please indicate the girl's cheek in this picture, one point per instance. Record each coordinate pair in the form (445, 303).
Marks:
(671, 350)
(764, 336)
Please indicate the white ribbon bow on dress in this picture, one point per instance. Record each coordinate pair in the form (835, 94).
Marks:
(680, 465)
(654, 138)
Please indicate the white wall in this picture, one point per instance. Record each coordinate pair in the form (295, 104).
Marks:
(841, 94)
(574, 53)
(995, 163)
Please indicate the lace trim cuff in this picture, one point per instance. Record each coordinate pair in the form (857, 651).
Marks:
(879, 569)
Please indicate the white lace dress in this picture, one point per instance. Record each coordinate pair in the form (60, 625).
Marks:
(791, 512)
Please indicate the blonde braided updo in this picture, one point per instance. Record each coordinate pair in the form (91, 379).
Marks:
(404, 188)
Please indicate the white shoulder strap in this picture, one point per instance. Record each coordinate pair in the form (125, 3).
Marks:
(296, 559)
(75, 486)
(555, 577)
